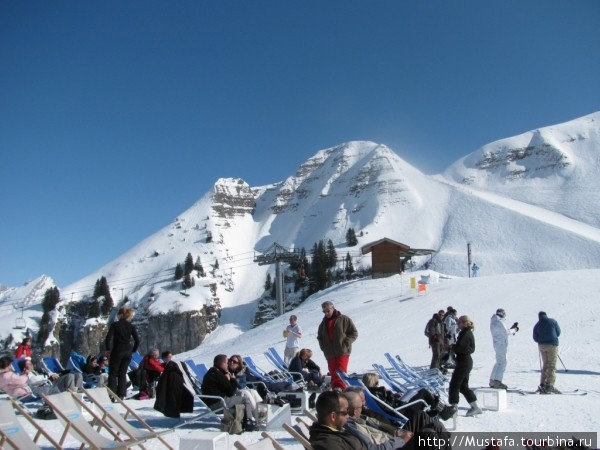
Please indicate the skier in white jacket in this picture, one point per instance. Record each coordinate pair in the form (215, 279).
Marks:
(500, 335)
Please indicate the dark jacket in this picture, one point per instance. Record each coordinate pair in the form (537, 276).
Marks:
(215, 383)
(172, 397)
(324, 438)
(546, 331)
(344, 334)
(119, 337)
(465, 343)
(434, 330)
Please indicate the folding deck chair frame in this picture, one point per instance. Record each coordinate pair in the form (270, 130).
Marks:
(103, 398)
(12, 432)
(76, 425)
(267, 439)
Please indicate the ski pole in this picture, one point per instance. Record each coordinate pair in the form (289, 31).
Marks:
(561, 361)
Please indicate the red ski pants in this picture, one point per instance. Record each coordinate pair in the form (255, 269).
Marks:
(334, 364)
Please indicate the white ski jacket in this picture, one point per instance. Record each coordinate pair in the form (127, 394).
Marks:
(499, 331)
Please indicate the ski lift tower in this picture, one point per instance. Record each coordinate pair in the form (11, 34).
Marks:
(276, 254)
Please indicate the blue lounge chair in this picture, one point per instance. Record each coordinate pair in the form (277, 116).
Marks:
(376, 404)
(52, 365)
(407, 391)
(405, 372)
(276, 359)
(15, 364)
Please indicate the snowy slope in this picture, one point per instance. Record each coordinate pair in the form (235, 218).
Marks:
(21, 306)
(555, 167)
(391, 318)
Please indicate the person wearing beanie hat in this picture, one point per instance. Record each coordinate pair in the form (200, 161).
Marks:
(500, 333)
(546, 333)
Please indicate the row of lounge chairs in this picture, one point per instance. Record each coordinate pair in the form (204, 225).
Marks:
(68, 407)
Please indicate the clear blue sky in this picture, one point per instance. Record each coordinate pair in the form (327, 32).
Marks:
(116, 116)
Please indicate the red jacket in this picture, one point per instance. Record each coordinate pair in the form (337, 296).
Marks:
(22, 351)
(154, 365)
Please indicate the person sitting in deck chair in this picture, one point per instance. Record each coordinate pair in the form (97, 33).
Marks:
(301, 363)
(49, 384)
(219, 381)
(373, 438)
(93, 372)
(371, 381)
(12, 383)
(421, 424)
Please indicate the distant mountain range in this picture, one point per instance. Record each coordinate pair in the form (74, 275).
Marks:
(526, 203)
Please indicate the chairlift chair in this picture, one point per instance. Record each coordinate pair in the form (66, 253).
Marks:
(19, 321)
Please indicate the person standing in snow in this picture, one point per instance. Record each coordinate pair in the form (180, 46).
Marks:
(459, 383)
(293, 333)
(336, 334)
(546, 333)
(434, 330)
(118, 342)
(474, 269)
(451, 330)
(500, 335)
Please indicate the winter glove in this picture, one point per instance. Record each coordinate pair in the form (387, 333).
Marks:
(515, 326)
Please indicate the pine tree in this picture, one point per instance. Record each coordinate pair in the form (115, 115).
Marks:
(208, 237)
(187, 282)
(349, 266)
(198, 267)
(331, 254)
(318, 267)
(94, 310)
(107, 305)
(101, 289)
(216, 264)
(188, 265)
(268, 282)
(178, 272)
(51, 299)
(351, 240)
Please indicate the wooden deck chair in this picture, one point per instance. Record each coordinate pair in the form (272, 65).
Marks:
(304, 426)
(308, 413)
(298, 434)
(101, 398)
(12, 433)
(69, 414)
(268, 443)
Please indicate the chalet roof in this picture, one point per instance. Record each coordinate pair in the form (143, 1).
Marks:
(406, 250)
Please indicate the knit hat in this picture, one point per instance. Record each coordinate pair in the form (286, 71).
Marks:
(500, 312)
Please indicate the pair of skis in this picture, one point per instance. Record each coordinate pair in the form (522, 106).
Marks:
(525, 392)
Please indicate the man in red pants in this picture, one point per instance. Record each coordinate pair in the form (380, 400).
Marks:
(336, 335)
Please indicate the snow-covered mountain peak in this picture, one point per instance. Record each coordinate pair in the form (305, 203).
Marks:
(543, 153)
(555, 167)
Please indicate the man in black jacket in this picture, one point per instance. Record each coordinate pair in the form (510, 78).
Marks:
(328, 432)
(220, 382)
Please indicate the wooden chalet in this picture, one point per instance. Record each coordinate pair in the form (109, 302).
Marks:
(389, 257)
